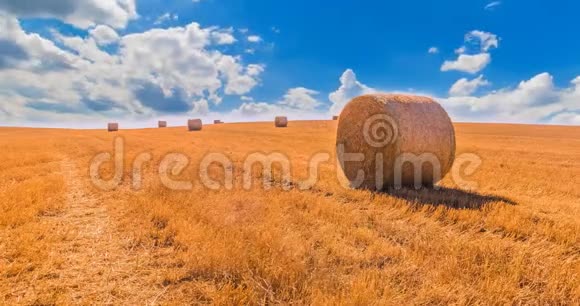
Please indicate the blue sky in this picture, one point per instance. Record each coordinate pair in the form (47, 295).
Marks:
(83, 62)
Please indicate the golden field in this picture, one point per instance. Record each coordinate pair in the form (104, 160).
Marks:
(514, 240)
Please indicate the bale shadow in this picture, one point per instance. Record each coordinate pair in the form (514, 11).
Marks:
(449, 197)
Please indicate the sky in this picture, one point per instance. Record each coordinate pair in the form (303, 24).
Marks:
(82, 63)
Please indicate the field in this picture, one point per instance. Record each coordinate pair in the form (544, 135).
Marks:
(63, 240)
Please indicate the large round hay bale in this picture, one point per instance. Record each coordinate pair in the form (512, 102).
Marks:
(162, 124)
(112, 127)
(281, 121)
(402, 138)
(194, 124)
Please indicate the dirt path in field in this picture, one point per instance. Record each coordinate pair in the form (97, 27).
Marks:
(91, 261)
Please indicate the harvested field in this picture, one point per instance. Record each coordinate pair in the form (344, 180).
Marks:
(515, 239)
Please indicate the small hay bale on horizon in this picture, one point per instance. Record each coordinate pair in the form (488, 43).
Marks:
(162, 124)
(217, 122)
(334, 117)
(412, 135)
(194, 125)
(112, 127)
(281, 121)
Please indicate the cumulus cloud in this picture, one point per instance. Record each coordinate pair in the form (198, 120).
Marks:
(296, 100)
(473, 63)
(568, 118)
(465, 87)
(297, 103)
(31, 51)
(104, 35)
(223, 36)
(468, 63)
(534, 100)
(157, 71)
(300, 98)
(349, 88)
(80, 13)
(485, 40)
(11, 53)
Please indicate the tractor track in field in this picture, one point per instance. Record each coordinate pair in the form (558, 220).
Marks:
(90, 261)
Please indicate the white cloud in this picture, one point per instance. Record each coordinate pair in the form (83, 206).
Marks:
(104, 35)
(224, 37)
(240, 79)
(465, 87)
(80, 13)
(473, 63)
(485, 40)
(85, 48)
(536, 100)
(569, 118)
(166, 17)
(254, 38)
(349, 88)
(158, 71)
(200, 107)
(300, 98)
(433, 50)
(492, 5)
(298, 102)
(468, 63)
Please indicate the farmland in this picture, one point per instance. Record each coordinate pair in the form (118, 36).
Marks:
(513, 239)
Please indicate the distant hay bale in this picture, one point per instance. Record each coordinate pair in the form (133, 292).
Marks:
(217, 122)
(334, 117)
(162, 124)
(413, 136)
(113, 127)
(194, 124)
(281, 121)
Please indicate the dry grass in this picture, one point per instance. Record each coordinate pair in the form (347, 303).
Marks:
(514, 241)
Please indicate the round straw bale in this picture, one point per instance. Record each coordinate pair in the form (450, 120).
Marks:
(281, 121)
(194, 124)
(334, 117)
(217, 122)
(412, 135)
(112, 127)
(162, 124)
